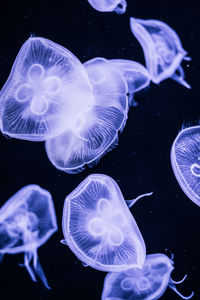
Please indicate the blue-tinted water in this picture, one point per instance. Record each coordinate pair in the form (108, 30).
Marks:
(168, 220)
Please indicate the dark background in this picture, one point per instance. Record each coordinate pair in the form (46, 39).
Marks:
(169, 221)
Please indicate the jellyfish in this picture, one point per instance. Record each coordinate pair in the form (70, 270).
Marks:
(162, 50)
(148, 283)
(45, 92)
(135, 74)
(99, 228)
(27, 221)
(119, 6)
(96, 131)
(185, 160)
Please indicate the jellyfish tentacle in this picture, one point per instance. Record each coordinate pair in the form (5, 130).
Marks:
(130, 203)
(27, 259)
(173, 287)
(76, 129)
(39, 271)
(63, 242)
(78, 135)
(178, 282)
(180, 77)
(187, 58)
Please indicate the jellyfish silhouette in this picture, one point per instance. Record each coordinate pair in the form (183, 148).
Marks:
(46, 90)
(99, 228)
(96, 131)
(185, 160)
(135, 74)
(27, 220)
(119, 6)
(148, 283)
(162, 50)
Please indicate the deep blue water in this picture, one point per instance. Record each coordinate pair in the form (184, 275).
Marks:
(169, 221)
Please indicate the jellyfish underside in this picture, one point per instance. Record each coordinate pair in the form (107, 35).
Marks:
(150, 282)
(169, 59)
(21, 229)
(95, 131)
(162, 49)
(27, 220)
(119, 6)
(74, 149)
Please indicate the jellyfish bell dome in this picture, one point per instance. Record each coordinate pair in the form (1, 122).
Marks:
(119, 6)
(46, 89)
(162, 49)
(185, 160)
(99, 228)
(27, 220)
(135, 74)
(148, 283)
(96, 129)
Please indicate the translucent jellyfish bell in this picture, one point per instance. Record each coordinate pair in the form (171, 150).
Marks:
(148, 283)
(119, 6)
(185, 160)
(99, 228)
(46, 90)
(135, 74)
(27, 220)
(96, 131)
(162, 50)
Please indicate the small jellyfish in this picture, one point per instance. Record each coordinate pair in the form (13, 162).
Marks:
(185, 160)
(148, 283)
(99, 228)
(46, 90)
(162, 50)
(135, 74)
(119, 6)
(27, 220)
(96, 130)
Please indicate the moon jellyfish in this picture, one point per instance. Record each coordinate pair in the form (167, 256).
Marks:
(135, 74)
(185, 160)
(27, 220)
(162, 50)
(99, 228)
(119, 6)
(148, 283)
(96, 131)
(45, 92)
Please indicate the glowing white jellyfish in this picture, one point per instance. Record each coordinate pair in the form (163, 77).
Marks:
(27, 220)
(162, 50)
(119, 6)
(185, 160)
(135, 74)
(99, 228)
(96, 131)
(46, 90)
(148, 283)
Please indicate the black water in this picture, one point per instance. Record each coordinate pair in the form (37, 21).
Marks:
(169, 221)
